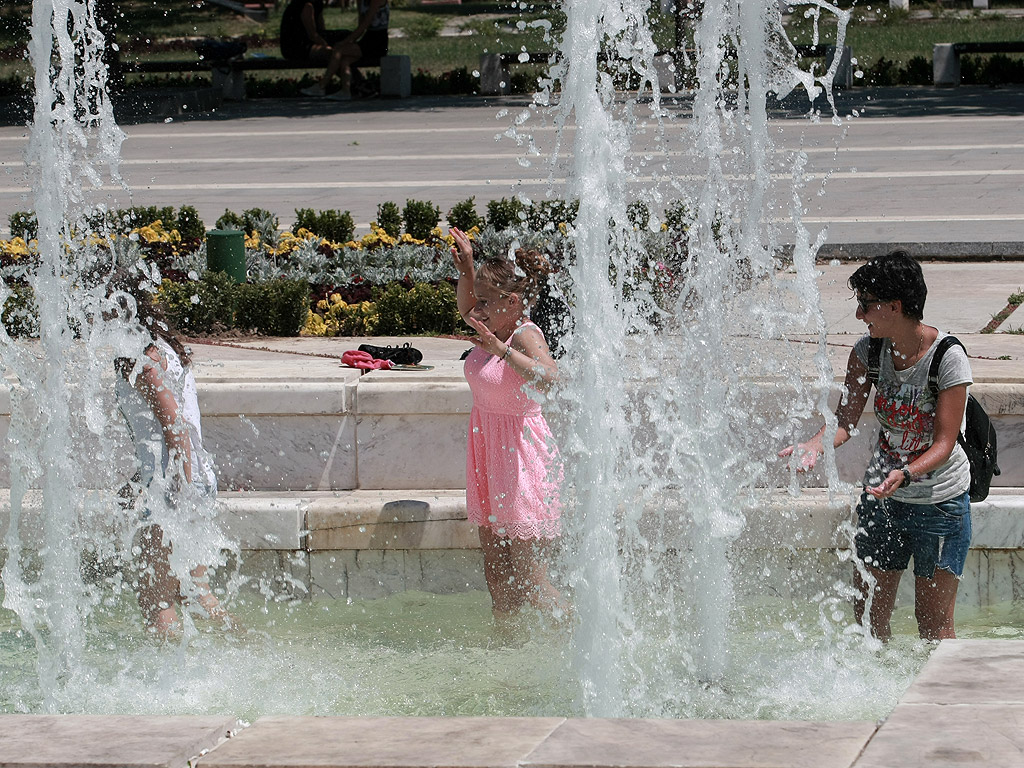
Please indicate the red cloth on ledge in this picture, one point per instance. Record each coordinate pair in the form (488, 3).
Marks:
(353, 358)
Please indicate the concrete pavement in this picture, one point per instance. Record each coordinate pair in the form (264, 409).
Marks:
(920, 165)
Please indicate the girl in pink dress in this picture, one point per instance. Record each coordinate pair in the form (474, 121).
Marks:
(512, 466)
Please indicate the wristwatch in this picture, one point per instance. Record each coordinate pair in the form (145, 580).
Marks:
(907, 477)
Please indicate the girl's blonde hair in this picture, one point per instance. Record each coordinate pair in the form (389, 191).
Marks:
(526, 276)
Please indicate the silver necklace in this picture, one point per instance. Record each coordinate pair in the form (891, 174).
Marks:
(920, 343)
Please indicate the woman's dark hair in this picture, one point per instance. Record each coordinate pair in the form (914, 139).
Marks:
(896, 276)
(134, 282)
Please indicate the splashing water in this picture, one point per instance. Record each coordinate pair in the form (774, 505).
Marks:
(680, 394)
(683, 382)
(63, 420)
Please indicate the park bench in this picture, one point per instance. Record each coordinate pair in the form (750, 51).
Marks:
(229, 74)
(494, 67)
(946, 58)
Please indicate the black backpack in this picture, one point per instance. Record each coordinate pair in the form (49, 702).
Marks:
(979, 436)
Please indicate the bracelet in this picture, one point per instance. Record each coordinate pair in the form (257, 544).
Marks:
(907, 477)
(508, 351)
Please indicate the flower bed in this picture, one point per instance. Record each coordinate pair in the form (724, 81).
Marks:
(386, 282)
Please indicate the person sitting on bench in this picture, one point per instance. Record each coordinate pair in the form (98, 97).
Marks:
(303, 36)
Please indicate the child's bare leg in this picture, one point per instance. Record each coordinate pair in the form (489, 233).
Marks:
(531, 572)
(204, 595)
(506, 598)
(158, 587)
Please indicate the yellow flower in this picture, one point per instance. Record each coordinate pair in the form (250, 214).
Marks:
(314, 325)
(15, 248)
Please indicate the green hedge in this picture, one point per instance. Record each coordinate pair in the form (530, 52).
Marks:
(214, 303)
(423, 308)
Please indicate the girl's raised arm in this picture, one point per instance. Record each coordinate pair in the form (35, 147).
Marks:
(462, 255)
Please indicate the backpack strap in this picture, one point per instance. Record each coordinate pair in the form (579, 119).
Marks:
(874, 359)
(933, 370)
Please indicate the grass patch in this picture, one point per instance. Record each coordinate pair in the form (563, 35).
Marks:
(1014, 301)
(883, 37)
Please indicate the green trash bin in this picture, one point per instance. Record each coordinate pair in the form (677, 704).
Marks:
(225, 252)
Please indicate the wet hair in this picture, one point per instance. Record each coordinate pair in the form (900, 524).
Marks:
(526, 277)
(896, 276)
(150, 315)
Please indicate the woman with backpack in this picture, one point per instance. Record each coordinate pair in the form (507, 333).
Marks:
(915, 501)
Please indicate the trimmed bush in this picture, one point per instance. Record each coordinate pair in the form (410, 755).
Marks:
(251, 220)
(273, 308)
(464, 216)
(420, 218)
(420, 309)
(389, 218)
(639, 214)
(137, 216)
(504, 213)
(678, 217)
(189, 225)
(200, 306)
(23, 224)
(20, 314)
(549, 214)
(336, 226)
(230, 220)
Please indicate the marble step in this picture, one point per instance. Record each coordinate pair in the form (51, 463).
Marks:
(417, 519)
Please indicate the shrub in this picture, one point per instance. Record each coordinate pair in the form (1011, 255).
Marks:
(230, 220)
(420, 218)
(200, 306)
(548, 214)
(273, 308)
(389, 218)
(20, 314)
(456, 81)
(639, 214)
(189, 225)
(420, 309)
(464, 216)
(336, 226)
(23, 224)
(918, 72)
(144, 215)
(678, 217)
(504, 213)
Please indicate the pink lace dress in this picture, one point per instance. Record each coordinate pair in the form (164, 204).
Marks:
(513, 470)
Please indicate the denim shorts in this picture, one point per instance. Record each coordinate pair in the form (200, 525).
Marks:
(889, 532)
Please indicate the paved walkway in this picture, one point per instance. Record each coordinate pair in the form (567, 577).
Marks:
(930, 165)
(962, 299)
(965, 708)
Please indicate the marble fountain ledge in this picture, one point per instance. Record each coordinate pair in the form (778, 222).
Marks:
(965, 708)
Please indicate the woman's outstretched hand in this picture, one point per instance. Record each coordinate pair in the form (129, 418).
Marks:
(462, 253)
(484, 339)
(887, 487)
(806, 454)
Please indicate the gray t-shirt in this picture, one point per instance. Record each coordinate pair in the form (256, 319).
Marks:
(905, 408)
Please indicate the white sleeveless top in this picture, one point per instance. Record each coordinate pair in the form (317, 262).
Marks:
(146, 433)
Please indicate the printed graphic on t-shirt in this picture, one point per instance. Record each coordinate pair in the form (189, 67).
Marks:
(907, 416)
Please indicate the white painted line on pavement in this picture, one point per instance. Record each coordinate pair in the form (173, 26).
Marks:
(442, 183)
(906, 219)
(357, 158)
